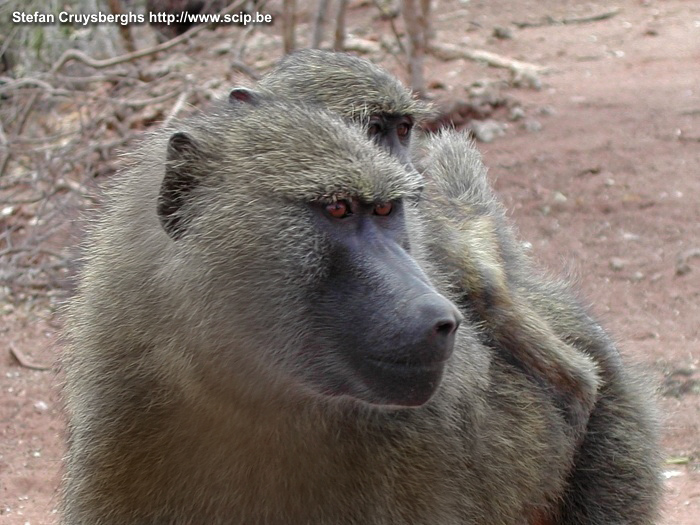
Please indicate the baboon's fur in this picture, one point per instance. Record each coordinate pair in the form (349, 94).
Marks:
(537, 323)
(344, 84)
(355, 88)
(186, 389)
(616, 476)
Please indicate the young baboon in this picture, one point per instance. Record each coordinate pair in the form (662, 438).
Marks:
(263, 334)
(354, 88)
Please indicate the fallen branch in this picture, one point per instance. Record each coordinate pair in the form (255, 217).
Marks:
(179, 104)
(137, 104)
(245, 69)
(551, 21)
(24, 361)
(523, 72)
(74, 54)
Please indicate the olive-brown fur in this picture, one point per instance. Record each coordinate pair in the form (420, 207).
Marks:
(616, 476)
(186, 386)
(342, 83)
(536, 324)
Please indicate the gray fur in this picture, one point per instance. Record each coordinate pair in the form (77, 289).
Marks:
(342, 83)
(186, 385)
(616, 476)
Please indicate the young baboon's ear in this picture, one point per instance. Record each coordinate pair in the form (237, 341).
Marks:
(178, 182)
(241, 94)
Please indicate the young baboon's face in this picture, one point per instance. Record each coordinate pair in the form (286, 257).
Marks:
(393, 133)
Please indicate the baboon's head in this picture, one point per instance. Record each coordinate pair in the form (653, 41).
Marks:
(352, 87)
(299, 241)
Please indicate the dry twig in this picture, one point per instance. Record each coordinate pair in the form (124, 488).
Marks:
(289, 25)
(415, 49)
(24, 361)
(521, 70)
(319, 23)
(339, 40)
(549, 20)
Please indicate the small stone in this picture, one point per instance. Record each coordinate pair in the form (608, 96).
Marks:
(41, 406)
(637, 276)
(617, 264)
(437, 84)
(487, 130)
(671, 474)
(532, 125)
(504, 33)
(559, 197)
(223, 48)
(682, 268)
(516, 113)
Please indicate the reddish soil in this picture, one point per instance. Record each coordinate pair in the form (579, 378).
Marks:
(604, 185)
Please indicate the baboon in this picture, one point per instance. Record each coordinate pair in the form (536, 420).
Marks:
(615, 477)
(265, 333)
(536, 323)
(352, 87)
(363, 93)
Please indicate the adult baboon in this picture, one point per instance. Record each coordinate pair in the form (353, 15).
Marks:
(537, 324)
(353, 87)
(261, 336)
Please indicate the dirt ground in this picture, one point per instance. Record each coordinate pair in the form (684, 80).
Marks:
(601, 173)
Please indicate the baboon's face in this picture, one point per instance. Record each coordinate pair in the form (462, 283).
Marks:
(393, 133)
(382, 333)
(390, 131)
(303, 238)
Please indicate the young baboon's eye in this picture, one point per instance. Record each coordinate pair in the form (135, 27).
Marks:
(375, 126)
(403, 129)
(383, 208)
(338, 209)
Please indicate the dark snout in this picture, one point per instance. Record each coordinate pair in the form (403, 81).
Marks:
(406, 367)
(398, 332)
(427, 333)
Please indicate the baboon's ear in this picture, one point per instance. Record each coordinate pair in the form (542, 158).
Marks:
(244, 95)
(178, 183)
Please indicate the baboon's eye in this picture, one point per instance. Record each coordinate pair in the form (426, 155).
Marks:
(403, 129)
(383, 208)
(375, 126)
(338, 209)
